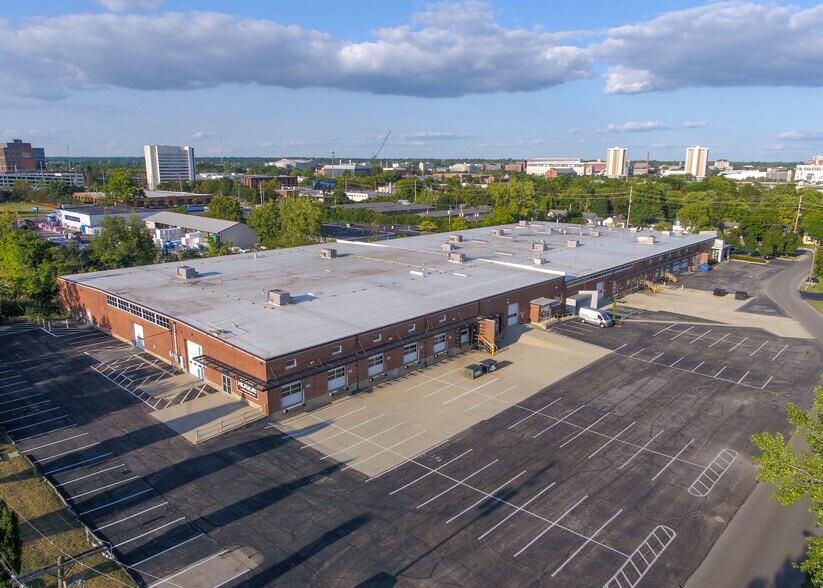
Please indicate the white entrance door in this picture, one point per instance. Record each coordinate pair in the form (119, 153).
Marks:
(513, 311)
(194, 350)
(139, 342)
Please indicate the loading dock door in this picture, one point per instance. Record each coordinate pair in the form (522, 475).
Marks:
(512, 315)
(194, 350)
(139, 342)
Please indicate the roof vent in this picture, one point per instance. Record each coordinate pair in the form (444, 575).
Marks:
(457, 257)
(278, 297)
(646, 240)
(328, 253)
(447, 246)
(572, 243)
(498, 232)
(539, 261)
(523, 223)
(540, 247)
(455, 238)
(185, 272)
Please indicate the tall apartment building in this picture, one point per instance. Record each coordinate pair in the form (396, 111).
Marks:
(168, 163)
(697, 161)
(18, 157)
(617, 162)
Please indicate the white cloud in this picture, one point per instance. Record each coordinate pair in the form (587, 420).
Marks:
(695, 124)
(130, 5)
(432, 135)
(717, 45)
(450, 49)
(800, 136)
(635, 127)
(200, 135)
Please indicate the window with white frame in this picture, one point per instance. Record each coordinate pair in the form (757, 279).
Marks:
(291, 364)
(439, 343)
(376, 364)
(412, 328)
(337, 350)
(377, 338)
(291, 394)
(410, 353)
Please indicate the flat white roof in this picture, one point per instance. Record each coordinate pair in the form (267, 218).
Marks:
(369, 285)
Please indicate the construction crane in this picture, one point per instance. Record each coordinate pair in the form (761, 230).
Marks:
(376, 153)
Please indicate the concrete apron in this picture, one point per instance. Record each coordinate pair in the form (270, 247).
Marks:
(207, 417)
(377, 430)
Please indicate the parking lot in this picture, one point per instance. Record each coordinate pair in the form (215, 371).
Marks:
(625, 471)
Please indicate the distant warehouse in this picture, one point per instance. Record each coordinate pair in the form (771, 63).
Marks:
(173, 226)
(289, 328)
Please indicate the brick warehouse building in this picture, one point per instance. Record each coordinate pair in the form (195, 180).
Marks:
(289, 328)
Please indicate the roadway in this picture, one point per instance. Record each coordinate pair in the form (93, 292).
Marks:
(764, 538)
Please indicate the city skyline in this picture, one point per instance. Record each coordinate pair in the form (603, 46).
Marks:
(468, 79)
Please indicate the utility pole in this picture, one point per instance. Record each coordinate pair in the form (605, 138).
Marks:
(629, 213)
(797, 216)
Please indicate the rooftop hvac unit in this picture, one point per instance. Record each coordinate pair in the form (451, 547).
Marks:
(498, 232)
(328, 253)
(457, 257)
(447, 246)
(540, 246)
(595, 233)
(572, 243)
(523, 223)
(646, 239)
(185, 272)
(539, 261)
(455, 238)
(278, 297)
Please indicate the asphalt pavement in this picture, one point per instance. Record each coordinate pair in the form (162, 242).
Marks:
(764, 539)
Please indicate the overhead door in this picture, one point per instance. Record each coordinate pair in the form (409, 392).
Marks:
(194, 350)
(512, 314)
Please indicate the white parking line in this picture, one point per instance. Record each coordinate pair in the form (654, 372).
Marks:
(700, 337)
(557, 422)
(12, 383)
(758, 349)
(74, 465)
(779, 352)
(234, 577)
(120, 465)
(78, 449)
(362, 440)
(106, 487)
(30, 396)
(612, 439)
(405, 461)
(767, 382)
(636, 453)
(484, 498)
(54, 442)
(469, 391)
(741, 377)
(682, 333)
(46, 433)
(551, 526)
(698, 366)
(31, 414)
(37, 424)
(485, 400)
(430, 380)
(518, 509)
(343, 432)
(122, 543)
(720, 372)
(456, 484)
(663, 469)
(118, 501)
(25, 406)
(677, 361)
(664, 330)
(533, 413)
(655, 358)
(719, 340)
(738, 345)
(17, 391)
(189, 540)
(619, 348)
(579, 549)
(137, 514)
(581, 431)
(430, 472)
(382, 451)
(637, 352)
(194, 565)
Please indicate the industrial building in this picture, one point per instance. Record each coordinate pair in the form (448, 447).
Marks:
(153, 198)
(86, 219)
(196, 231)
(168, 163)
(291, 328)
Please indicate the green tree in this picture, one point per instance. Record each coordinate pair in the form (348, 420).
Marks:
(121, 187)
(301, 221)
(798, 474)
(21, 191)
(697, 215)
(459, 224)
(10, 544)
(122, 244)
(8, 220)
(427, 227)
(265, 222)
(226, 208)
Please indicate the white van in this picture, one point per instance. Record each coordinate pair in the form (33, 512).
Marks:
(595, 317)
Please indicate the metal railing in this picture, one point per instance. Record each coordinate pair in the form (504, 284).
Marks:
(225, 425)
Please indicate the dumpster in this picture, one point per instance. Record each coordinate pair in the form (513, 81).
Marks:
(488, 365)
(473, 371)
(741, 295)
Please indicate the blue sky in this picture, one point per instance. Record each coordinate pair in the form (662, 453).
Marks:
(473, 78)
